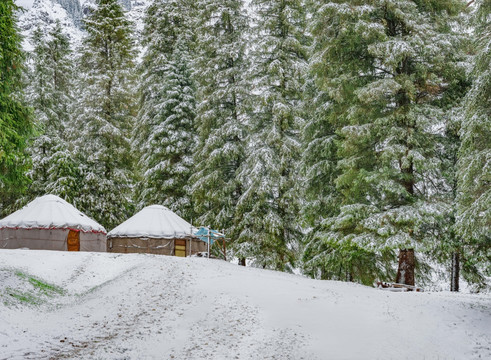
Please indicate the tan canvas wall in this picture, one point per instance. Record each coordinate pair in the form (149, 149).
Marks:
(198, 246)
(42, 239)
(150, 246)
(141, 246)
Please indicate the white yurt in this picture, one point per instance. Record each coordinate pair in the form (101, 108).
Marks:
(155, 230)
(51, 223)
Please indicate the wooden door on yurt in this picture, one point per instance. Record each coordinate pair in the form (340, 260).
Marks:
(73, 241)
(180, 247)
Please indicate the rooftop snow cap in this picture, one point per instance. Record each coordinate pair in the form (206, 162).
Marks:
(50, 212)
(154, 221)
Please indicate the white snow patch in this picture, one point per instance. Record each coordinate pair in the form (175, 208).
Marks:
(136, 306)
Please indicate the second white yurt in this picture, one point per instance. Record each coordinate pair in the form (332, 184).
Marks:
(51, 223)
(155, 230)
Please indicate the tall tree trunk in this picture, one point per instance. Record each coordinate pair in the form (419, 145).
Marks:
(405, 272)
(242, 262)
(454, 281)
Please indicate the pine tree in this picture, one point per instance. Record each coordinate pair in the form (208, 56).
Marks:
(318, 161)
(50, 91)
(386, 67)
(15, 117)
(221, 113)
(165, 133)
(446, 245)
(270, 225)
(106, 112)
(474, 160)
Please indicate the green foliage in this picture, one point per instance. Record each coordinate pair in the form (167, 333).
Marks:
(325, 258)
(45, 288)
(343, 117)
(386, 69)
(50, 92)
(474, 157)
(15, 117)
(319, 158)
(220, 69)
(30, 291)
(269, 225)
(105, 114)
(164, 134)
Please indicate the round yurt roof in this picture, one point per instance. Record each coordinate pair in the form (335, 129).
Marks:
(50, 212)
(154, 221)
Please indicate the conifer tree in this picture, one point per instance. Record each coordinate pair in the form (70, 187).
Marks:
(270, 225)
(318, 164)
(15, 117)
(445, 245)
(318, 161)
(50, 91)
(385, 65)
(165, 134)
(106, 112)
(221, 114)
(474, 158)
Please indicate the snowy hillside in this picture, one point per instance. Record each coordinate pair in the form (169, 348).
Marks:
(45, 13)
(108, 306)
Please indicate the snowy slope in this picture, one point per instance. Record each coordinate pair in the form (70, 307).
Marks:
(44, 14)
(70, 13)
(118, 306)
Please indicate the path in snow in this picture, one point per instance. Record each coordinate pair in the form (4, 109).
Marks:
(157, 307)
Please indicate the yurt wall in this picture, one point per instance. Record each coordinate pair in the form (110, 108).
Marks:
(49, 239)
(154, 246)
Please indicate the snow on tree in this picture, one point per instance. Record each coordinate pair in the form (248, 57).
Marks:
(387, 65)
(165, 135)
(318, 161)
(105, 114)
(221, 114)
(474, 162)
(15, 117)
(268, 207)
(50, 93)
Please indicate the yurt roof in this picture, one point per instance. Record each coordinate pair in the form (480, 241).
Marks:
(50, 212)
(154, 221)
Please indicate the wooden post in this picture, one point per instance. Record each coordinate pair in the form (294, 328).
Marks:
(191, 240)
(224, 246)
(208, 242)
(405, 271)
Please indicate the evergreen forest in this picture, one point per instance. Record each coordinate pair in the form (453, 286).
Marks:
(330, 137)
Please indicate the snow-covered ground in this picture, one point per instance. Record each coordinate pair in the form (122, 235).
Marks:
(118, 306)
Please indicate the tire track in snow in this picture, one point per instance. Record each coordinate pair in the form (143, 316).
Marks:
(136, 310)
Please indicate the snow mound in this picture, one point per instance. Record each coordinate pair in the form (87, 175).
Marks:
(137, 306)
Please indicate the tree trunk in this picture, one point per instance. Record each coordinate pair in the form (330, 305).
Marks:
(454, 281)
(405, 272)
(242, 262)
